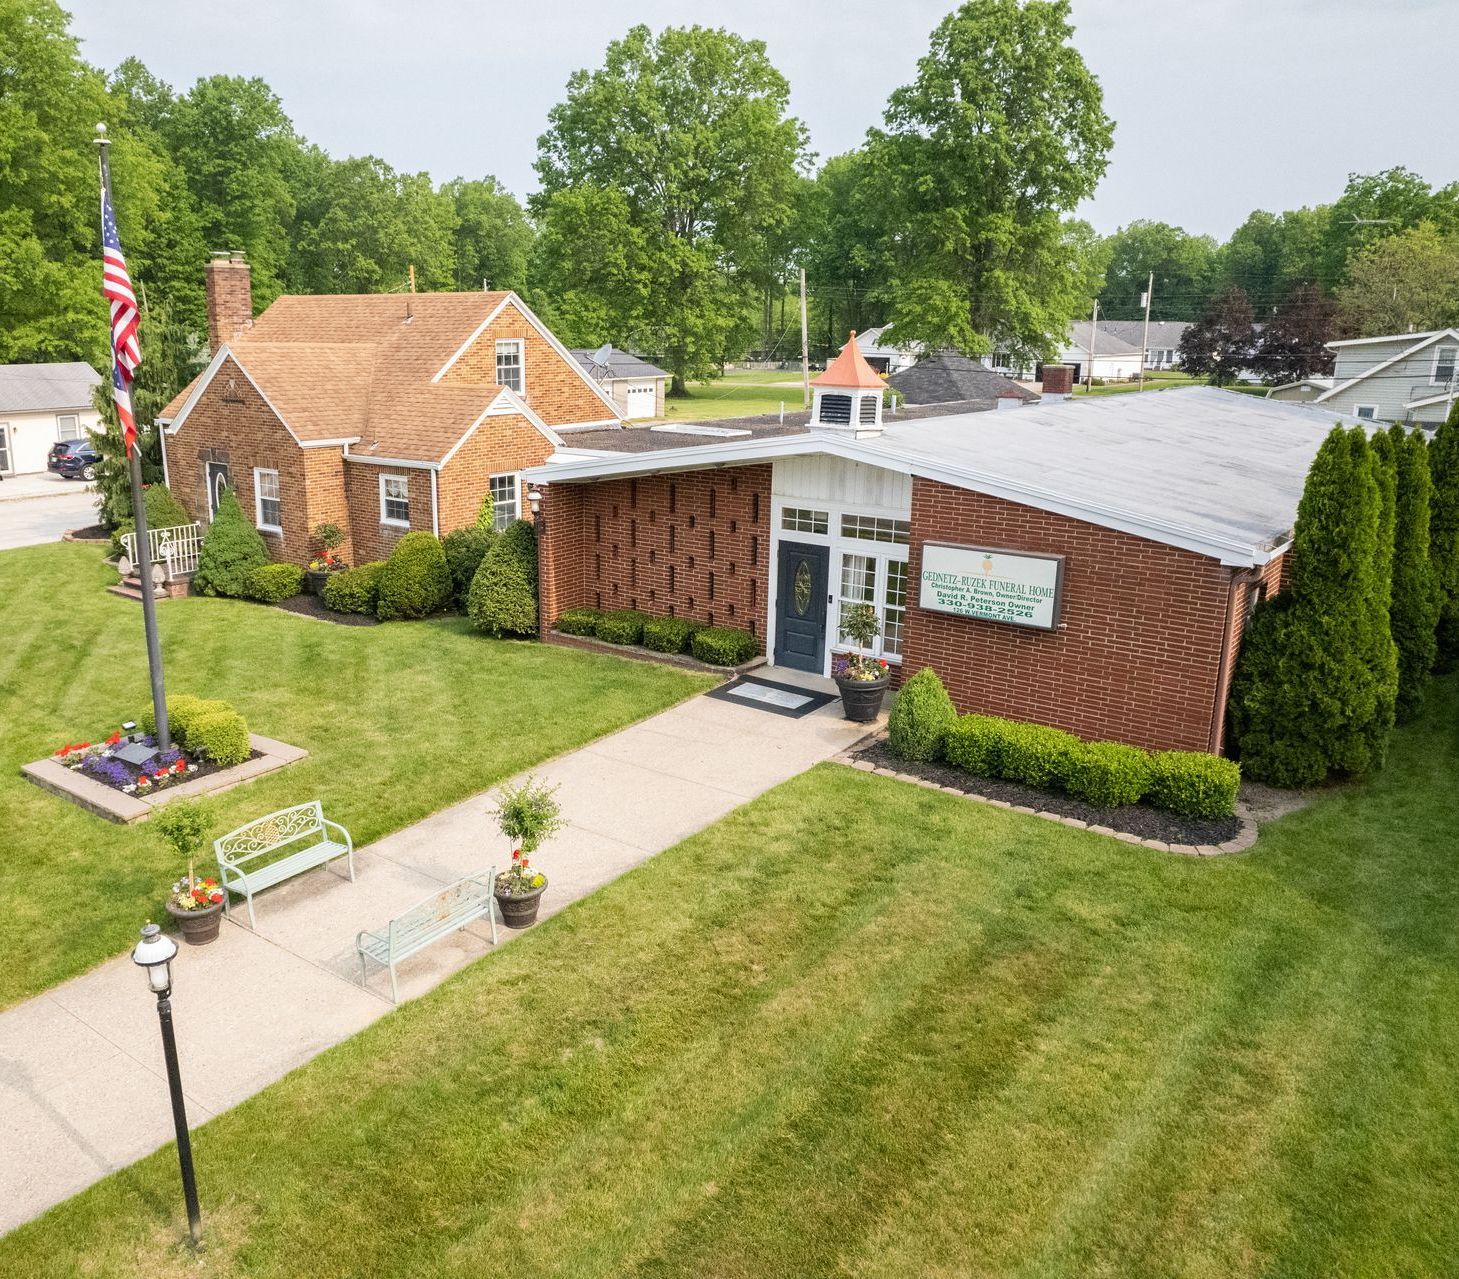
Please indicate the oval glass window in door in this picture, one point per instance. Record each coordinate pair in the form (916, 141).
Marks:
(801, 588)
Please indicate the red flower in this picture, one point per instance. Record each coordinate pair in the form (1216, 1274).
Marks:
(84, 746)
(114, 738)
(180, 766)
(142, 780)
(516, 854)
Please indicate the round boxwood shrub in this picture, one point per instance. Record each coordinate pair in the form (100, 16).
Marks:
(722, 646)
(921, 717)
(975, 743)
(465, 549)
(670, 634)
(1108, 774)
(503, 595)
(621, 626)
(416, 580)
(271, 583)
(356, 590)
(218, 733)
(578, 621)
(1193, 783)
(232, 549)
(182, 709)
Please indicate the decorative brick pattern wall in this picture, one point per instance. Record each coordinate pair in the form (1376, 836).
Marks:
(555, 391)
(695, 544)
(499, 445)
(1138, 655)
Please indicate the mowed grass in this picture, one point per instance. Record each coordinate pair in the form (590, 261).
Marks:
(400, 721)
(746, 394)
(863, 1029)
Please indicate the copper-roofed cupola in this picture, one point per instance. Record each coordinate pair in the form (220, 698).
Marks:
(848, 394)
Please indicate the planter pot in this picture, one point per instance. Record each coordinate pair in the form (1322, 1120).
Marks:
(861, 698)
(199, 927)
(520, 909)
(314, 580)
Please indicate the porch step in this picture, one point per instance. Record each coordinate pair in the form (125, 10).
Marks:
(131, 588)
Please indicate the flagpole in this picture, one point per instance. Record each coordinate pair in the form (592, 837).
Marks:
(139, 518)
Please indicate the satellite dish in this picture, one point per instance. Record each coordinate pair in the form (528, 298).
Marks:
(602, 354)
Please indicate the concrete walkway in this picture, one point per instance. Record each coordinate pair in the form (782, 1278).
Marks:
(81, 1085)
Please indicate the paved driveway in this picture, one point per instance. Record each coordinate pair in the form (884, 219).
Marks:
(35, 509)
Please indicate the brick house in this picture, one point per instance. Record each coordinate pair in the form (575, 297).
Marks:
(1086, 564)
(381, 413)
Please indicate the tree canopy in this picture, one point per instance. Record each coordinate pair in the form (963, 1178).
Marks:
(1184, 267)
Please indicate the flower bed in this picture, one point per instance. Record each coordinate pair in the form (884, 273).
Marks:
(165, 769)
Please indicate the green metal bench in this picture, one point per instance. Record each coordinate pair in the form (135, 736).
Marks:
(455, 906)
(248, 858)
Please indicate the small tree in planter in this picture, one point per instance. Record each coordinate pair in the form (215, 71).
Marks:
(527, 815)
(329, 538)
(862, 680)
(195, 903)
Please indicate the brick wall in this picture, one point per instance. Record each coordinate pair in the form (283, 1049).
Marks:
(695, 544)
(555, 388)
(229, 289)
(373, 540)
(1137, 657)
(498, 445)
(232, 424)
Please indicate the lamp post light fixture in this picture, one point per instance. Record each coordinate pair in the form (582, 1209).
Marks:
(154, 955)
(534, 500)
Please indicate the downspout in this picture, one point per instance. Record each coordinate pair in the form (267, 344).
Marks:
(1240, 578)
(435, 506)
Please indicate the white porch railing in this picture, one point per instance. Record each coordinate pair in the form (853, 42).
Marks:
(174, 549)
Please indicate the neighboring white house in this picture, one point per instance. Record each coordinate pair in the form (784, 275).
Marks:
(39, 405)
(886, 358)
(1113, 358)
(1162, 349)
(1403, 377)
(636, 386)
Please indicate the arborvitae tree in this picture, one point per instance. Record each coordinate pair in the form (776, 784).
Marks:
(1444, 535)
(1315, 683)
(1385, 471)
(1414, 611)
(232, 549)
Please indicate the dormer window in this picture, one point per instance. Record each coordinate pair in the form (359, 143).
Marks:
(509, 364)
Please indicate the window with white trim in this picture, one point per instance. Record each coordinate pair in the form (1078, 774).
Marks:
(506, 500)
(1445, 359)
(268, 510)
(68, 426)
(799, 519)
(509, 364)
(881, 581)
(1369, 411)
(873, 528)
(395, 500)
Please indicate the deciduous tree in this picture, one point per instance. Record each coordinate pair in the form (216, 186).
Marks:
(1183, 266)
(1221, 343)
(1402, 283)
(1293, 342)
(493, 239)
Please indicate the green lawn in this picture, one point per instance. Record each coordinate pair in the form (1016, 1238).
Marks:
(1162, 381)
(737, 395)
(400, 720)
(864, 1029)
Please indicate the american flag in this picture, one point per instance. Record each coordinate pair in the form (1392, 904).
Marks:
(116, 287)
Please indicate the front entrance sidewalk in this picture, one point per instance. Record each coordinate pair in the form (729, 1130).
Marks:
(81, 1084)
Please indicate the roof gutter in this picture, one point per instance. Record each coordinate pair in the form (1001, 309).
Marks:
(408, 463)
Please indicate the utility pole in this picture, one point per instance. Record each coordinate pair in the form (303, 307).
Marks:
(805, 347)
(1089, 366)
(412, 277)
(1145, 341)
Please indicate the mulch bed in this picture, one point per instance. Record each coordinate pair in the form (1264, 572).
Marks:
(1133, 819)
(91, 533)
(313, 606)
(205, 768)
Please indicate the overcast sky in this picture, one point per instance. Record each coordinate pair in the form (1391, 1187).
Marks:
(1221, 106)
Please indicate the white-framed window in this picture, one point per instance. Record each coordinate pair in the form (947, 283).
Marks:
(874, 528)
(880, 581)
(268, 509)
(800, 519)
(506, 500)
(509, 371)
(1369, 411)
(68, 426)
(1445, 359)
(395, 500)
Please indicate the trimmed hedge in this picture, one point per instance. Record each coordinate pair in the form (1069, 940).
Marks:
(670, 634)
(1193, 783)
(415, 581)
(921, 717)
(620, 626)
(578, 621)
(232, 549)
(722, 646)
(975, 743)
(219, 734)
(271, 583)
(503, 595)
(1037, 755)
(356, 590)
(1109, 774)
(465, 549)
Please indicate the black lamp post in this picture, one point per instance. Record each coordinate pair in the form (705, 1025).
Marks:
(539, 523)
(154, 955)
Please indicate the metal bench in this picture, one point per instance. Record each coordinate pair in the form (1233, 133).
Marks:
(246, 856)
(428, 921)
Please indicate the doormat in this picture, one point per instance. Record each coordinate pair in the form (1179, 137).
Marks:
(778, 699)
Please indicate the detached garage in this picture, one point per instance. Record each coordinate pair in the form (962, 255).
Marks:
(1087, 564)
(637, 386)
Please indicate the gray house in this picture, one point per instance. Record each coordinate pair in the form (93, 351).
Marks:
(1404, 377)
(1162, 351)
(637, 387)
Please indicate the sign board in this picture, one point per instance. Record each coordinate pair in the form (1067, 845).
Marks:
(994, 585)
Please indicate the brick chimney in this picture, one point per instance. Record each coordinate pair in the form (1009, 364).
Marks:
(230, 298)
(1058, 382)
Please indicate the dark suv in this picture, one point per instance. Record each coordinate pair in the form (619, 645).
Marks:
(74, 459)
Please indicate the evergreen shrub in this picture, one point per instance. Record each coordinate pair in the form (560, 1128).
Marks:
(232, 549)
(1193, 783)
(356, 590)
(921, 717)
(1108, 774)
(578, 621)
(670, 634)
(416, 580)
(621, 626)
(270, 583)
(503, 595)
(465, 549)
(722, 645)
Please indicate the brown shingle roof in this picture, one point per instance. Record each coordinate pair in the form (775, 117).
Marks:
(346, 365)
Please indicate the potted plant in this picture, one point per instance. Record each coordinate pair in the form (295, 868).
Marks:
(196, 904)
(329, 537)
(862, 680)
(527, 815)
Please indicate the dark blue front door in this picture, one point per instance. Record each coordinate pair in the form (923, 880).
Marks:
(800, 610)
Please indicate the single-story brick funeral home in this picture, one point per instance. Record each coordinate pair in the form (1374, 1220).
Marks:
(1088, 564)
(380, 413)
